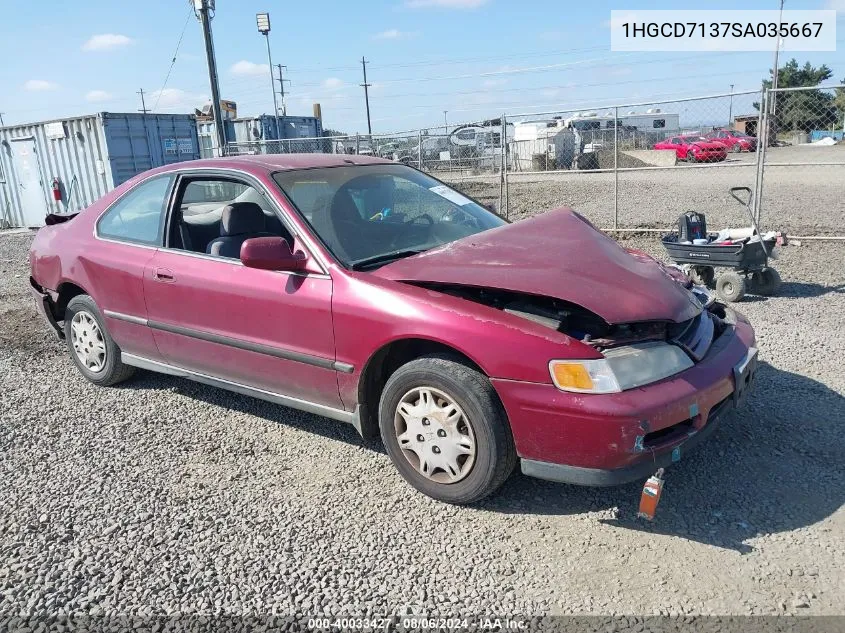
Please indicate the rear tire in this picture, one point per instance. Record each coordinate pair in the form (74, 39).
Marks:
(730, 286)
(464, 451)
(768, 282)
(92, 349)
(736, 148)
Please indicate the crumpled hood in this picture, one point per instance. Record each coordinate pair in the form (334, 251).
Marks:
(557, 254)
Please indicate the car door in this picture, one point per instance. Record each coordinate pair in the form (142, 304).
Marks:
(128, 233)
(264, 329)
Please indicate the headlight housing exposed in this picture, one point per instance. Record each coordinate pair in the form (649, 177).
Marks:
(621, 368)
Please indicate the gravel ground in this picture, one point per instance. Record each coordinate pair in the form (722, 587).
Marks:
(162, 495)
(802, 200)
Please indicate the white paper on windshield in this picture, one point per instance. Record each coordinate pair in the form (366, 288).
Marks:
(450, 194)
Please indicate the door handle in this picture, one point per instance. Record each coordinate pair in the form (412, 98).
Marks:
(163, 274)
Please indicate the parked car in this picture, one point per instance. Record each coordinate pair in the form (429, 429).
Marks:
(694, 148)
(366, 291)
(734, 141)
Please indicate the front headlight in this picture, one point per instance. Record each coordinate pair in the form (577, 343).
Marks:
(621, 368)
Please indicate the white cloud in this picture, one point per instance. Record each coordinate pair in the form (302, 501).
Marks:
(99, 95)
(249, 69)
(493, 83)
(333, 83)
(391, 34)
(175, 98)
(39, 85)
(444, 4)
(106, 42)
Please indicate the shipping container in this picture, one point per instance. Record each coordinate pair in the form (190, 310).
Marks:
(85, 157)
(255, 135)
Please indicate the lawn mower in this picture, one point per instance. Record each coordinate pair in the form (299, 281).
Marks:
(743, 254)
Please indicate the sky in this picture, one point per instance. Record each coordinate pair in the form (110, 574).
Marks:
(473, 59)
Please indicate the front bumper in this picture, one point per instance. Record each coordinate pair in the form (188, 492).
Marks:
(610, 439)
(44, 305)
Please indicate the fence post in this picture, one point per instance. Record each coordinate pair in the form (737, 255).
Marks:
(357, 143)
(762, 144)
(506, 159)
(501, 168)
(419, 151)
(615, 168)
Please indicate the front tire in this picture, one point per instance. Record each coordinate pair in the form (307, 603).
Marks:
(445, 430)
(92, 349)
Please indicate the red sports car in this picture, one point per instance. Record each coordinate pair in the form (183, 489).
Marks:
(694, 148)
(734, 141)
(366, 291)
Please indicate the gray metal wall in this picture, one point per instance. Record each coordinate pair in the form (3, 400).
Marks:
(90, 156)
(81, 154)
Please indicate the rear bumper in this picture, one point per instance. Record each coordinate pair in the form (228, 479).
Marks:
(44, 305)
(602, 440)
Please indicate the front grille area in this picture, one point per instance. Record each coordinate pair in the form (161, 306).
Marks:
(669, 434)
(694, 336)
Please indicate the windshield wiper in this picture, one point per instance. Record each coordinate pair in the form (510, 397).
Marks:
(384, 258)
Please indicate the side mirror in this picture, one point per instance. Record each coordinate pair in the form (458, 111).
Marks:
(271, 253)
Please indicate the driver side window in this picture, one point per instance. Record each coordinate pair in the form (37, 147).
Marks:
(215, 216)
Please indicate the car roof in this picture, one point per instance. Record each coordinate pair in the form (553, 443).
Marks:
(278, 162)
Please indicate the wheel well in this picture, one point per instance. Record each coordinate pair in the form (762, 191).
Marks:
(67, 291)
(387, 360)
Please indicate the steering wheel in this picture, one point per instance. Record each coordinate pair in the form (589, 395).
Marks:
(451, 215)
(424, 216)
(397, 240)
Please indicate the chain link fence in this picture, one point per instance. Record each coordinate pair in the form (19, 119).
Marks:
(800, 182)
(635, 166)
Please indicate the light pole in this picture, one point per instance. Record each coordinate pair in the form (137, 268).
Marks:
(263, 21)
(731, 109)
(445, 123)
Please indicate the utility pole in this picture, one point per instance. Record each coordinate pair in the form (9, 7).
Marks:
(731, 109)
(282, 81)
(445, 123)
(201, 9)
(365, 85)
(143, 105)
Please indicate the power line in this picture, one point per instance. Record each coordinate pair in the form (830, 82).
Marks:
(175, 53)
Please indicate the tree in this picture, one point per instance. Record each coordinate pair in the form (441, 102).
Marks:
(802, 110)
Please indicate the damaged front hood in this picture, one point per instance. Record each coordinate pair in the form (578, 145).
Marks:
(557, 254)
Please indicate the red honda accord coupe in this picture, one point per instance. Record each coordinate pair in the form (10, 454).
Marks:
(369, 292)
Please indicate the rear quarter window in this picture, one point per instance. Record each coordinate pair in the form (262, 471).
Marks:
(139, 215)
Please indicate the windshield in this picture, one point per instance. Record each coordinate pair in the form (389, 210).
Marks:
(370, 214)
